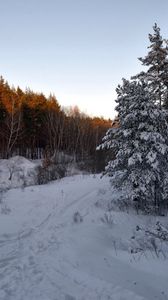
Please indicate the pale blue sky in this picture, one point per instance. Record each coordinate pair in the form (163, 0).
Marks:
(77, 49)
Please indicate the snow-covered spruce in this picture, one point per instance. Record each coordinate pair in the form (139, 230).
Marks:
(141, 147)
(156, 61)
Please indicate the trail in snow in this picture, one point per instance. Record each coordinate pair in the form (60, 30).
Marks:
(44, 255)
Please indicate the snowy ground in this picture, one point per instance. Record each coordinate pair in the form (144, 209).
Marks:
(45, 255)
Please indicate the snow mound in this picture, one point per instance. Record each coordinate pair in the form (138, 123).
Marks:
(17, 172)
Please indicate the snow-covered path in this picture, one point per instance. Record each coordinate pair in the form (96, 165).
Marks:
(44, 255)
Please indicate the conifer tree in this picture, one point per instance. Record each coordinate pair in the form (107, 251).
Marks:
(140, 142)
(157, 62)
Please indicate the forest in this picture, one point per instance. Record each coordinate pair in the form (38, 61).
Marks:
(34, 126)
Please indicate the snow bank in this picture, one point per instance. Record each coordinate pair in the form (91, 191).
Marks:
(17, 172)
(20, 172)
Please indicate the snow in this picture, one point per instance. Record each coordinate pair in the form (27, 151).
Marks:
(45, 255)
(16, 172)
(136, 157)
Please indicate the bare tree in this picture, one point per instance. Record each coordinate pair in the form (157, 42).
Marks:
(12, 125)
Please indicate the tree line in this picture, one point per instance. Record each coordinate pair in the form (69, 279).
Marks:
(34, 126)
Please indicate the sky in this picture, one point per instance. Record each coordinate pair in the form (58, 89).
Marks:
(79, 50)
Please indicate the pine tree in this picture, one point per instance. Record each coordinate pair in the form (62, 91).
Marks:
(157, 62)
(140, 142)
